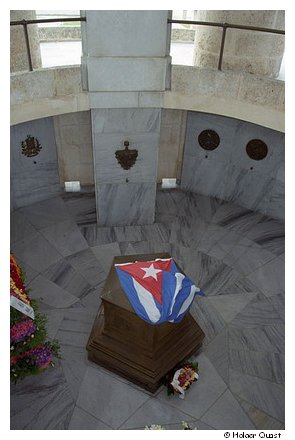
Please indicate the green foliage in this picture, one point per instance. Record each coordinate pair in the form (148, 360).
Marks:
(25, 365)
(166, 380)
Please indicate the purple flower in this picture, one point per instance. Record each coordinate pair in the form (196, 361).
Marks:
(42, 356)
(22, 330)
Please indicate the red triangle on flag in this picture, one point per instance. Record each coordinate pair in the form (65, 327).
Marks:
(149, 274)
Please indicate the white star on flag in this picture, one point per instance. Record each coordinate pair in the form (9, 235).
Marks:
(151, 272)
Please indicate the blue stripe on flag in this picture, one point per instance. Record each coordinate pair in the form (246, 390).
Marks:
(172, 304)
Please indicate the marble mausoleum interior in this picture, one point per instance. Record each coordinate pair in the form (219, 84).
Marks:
(218, 134)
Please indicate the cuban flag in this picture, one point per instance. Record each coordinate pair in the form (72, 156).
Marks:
(157, 290)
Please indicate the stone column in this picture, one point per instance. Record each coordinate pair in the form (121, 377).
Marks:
(249, 51)
(18, 51)
(125, 68)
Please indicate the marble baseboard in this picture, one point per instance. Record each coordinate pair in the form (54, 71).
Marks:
(169, 201)
(82, 208)
(126, 204)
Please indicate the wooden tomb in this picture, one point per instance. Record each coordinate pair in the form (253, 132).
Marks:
(124, 343)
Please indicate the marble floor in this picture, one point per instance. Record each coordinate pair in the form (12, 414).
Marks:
(235, 255)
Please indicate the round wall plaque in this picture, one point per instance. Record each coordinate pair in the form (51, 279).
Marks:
(209, 139)
(256, 149)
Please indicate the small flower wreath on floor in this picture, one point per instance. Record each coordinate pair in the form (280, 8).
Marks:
(180, 378)
(184, 425)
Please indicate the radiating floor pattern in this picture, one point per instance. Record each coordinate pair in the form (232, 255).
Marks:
(235, 255)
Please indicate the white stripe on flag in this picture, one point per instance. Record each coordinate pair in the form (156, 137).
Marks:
(146, 299)
(179, 277)
(151, 261)
(188, 300)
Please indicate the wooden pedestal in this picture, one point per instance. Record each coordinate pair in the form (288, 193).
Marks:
(124, 343)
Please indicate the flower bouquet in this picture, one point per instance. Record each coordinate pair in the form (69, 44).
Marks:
(184, 426)
(30, 351)
(181, 378)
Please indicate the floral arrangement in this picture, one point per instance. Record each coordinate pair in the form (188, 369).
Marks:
(184, 425)
(181, 378)
(30, 351)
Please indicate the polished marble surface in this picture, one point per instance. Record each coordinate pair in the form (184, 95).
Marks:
(235, 255)
(33, 178)
(125, 196)
(228, 172)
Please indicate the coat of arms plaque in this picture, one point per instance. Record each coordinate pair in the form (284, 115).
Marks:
(31, 146)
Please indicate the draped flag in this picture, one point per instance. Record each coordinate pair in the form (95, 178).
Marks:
(157, 290)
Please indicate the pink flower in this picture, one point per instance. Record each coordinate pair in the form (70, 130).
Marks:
(22, 330)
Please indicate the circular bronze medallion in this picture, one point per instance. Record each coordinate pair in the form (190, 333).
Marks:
(209, 140)
(256, 149)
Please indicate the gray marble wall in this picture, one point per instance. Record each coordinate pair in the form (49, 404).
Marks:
(227, 172)
(33, 178)
(74, 147)
(125, 197)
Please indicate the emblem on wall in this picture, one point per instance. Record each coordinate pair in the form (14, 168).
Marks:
(126, 158)
(209, 140)
(31, 146)
(256, 149)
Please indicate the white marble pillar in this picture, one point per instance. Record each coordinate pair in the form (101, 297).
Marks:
(250, 51)
(126, 68)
